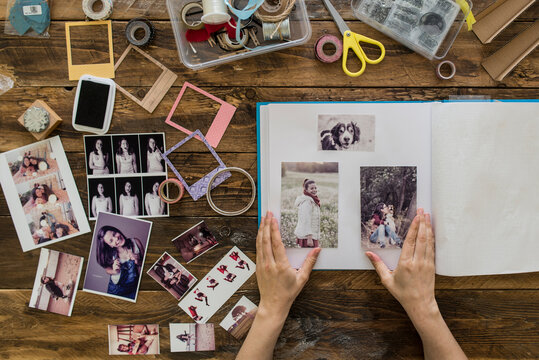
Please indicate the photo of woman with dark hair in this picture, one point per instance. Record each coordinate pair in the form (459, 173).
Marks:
(153, 205)
(381, 230)
(126, 158)
(121, 258)
(40, 194)
(128, 201)
(154, 161)
(308, 227)
(100, 202)
(98, 159)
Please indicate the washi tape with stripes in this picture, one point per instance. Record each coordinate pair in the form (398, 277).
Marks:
(103, 14)
(135, 25)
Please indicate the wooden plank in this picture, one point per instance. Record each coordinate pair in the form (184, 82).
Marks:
(39, 62)
(129, 117)
(321, 325)
(156, 10)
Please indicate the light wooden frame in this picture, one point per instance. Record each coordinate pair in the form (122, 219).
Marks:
(158, 89)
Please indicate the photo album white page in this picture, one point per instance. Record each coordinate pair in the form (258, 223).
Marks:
(393, 150)
(485, 192)
(349, 177)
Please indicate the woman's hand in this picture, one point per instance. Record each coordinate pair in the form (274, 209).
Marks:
(116, 266)
(278, 282)
(412, 282)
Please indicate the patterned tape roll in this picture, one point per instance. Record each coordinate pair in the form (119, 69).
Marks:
(451, 67)
(164, 197)
(103, 14)
(195, 25)
(139, 24)
(319, 48)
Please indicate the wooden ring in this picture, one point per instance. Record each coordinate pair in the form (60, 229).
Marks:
(231, 213)
(164, 197)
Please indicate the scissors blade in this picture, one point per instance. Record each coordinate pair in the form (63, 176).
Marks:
(336, 17)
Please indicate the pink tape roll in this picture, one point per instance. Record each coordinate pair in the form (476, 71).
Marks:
(319, 48)
(164, 197)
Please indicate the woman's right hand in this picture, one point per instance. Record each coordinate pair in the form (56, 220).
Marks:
(116, 265)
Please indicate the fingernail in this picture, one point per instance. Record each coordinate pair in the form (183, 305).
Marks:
(369, 255)
(420, 211)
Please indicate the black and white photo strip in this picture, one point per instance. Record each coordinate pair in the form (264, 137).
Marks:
(124, 172)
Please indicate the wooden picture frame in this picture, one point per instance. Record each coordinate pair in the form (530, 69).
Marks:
(158, 90)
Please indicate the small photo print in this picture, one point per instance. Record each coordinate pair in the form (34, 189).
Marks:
(151, 147)
(239, 320)
(56, 283)
(309, 204)
(42, 195)
(129, 196)
(192, 337)
(99, 156)
(388, 205)
(346, 132)
(171, 275)
(126, 154)
(134, 339)
(101, 196)
(195, 241)
(153, 205)
(117, 256)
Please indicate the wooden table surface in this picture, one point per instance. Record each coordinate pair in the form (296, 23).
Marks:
(340, 314)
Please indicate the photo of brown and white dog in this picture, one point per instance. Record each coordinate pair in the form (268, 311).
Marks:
(346, 132)
(340, 137)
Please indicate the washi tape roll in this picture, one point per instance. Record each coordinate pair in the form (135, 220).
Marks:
(164, 197)
(231, 213)
(138, 24)
(103, 14)
(452, 69)
(319, 48)
(195, 25)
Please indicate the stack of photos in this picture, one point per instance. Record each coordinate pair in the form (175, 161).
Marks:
(239, 320)
(124, 173)
(171, 275)
(134, 339)
(195, 241)
(192, 337)
(41, 194)
(117, 256)
(309, 204)
(388, 205)
(218, 286)
(56, 283)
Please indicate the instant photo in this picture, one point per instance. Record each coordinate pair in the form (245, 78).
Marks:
(309, 204)
(56, 283)
(117, 255)
(226, 277)
(195, 241)
(41, 194)
(239, 320)
(192, 337)
(132, 163)
(346, 132)
(134, 339)
(172, 276)
(388, 205)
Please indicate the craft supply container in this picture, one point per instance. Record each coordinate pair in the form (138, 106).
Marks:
(207, 56)
(407, 21)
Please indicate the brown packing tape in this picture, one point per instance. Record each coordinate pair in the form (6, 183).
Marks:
(495, 18)
(499, 64)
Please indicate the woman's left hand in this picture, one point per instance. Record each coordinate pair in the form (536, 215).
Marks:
(278, 282)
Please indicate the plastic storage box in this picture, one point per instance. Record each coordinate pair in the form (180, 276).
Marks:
(428, 27)
(207, 56)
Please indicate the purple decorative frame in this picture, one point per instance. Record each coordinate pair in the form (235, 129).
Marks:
(198, 189)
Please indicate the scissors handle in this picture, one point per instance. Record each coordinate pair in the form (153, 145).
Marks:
(351, 40)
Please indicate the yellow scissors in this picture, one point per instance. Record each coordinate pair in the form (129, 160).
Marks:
(351, 40)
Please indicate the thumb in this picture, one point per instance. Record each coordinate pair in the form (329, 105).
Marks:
(381, 268)
(308, 264)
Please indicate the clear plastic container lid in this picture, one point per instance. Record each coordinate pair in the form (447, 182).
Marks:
(428, 27)
(207, 55)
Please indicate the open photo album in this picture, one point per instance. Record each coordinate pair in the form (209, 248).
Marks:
(349, 177)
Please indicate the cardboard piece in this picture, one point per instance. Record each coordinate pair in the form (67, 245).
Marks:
(219, 124)
(159, 88)
(496, 17)
(105, 70)
(198, 189)
(54, 120)
(499, 64)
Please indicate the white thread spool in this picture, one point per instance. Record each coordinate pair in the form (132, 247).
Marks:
(215, 12)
